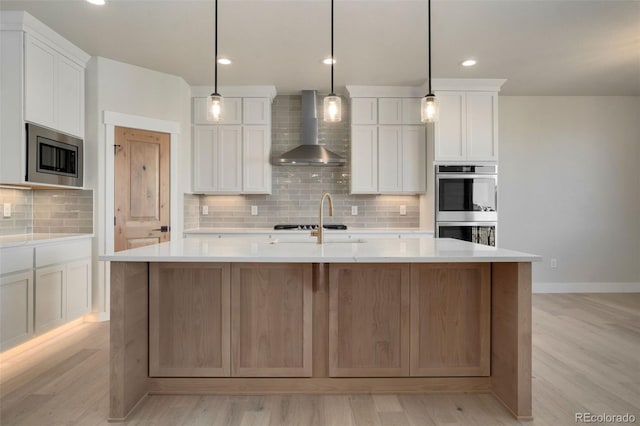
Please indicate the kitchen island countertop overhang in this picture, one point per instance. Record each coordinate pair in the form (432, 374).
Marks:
(256, 316)
(334, 250)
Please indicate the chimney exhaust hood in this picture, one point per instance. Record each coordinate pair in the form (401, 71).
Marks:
(309, 153)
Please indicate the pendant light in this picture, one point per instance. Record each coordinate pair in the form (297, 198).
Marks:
(429, 106)
(214, 103)
(332, 103)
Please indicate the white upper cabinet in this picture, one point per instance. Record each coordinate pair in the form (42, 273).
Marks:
(411, 111)
(256, 151)
(390, 111)
(390, 159)
(389, 155)
(450, 130)
(233, 158)
(53, 88)
(364, 111)
(231, 113)
(256, 111)
(364, 159)
(467, 126)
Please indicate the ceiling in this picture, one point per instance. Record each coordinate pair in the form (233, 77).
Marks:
(571, 47)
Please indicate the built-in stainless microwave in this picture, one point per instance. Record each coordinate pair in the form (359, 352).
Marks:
(53, 158)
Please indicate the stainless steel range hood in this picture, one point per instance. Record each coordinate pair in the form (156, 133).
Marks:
(309, 153)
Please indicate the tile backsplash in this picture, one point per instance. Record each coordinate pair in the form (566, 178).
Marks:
(47, 211)
(297, 189)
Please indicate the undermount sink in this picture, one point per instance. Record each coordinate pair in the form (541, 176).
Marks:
(313, 241)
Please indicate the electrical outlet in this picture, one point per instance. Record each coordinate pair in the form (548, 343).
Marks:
(403, 210)
(554, 263)
(6, 210)
(254, 210)
(354, 210)
(205, 210)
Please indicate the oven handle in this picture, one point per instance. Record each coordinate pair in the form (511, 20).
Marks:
(463, 176)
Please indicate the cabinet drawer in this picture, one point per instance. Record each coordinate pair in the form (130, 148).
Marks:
(16, 259)
(63, 252)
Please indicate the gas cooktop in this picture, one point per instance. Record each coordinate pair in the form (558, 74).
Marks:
(281, 227)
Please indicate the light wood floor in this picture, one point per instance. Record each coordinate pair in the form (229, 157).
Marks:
(586, 358)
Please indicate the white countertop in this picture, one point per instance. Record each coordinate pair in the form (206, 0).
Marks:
(195, 231)
(335, 250)
(23, 240)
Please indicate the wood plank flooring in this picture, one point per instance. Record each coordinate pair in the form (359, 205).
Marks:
(585, 359)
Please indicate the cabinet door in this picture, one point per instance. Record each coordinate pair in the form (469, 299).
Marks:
(364, 111)
(78, 288)
(271, 307)
(390, 111)
(50, 297)
(450, 327)
(40, 83)
(450, 129)
(482, 126)
(256, 165)
(369, 320)
(411, 111)
(205, 148)
(414, 159)
(16, 308)
(364, 159)
(189, 319)
(256, 111)
(228, 162)
(390, 159)
(70, 97)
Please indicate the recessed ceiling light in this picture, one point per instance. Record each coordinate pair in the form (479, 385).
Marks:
(468, 63)
(224, 61)
(97, 2)
(327, 61)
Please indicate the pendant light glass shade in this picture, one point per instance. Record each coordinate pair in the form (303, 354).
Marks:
(332, 108)
(429, 109)
(214, 107)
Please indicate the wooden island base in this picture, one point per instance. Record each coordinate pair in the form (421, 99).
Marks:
(264, 328)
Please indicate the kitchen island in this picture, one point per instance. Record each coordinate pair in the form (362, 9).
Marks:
(255, 316)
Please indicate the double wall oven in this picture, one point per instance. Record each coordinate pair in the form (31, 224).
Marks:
(467, 202)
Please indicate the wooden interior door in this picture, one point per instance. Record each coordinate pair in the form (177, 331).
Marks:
(142, 198)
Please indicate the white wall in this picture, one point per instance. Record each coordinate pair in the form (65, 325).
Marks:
(128, 89)
(569, 186)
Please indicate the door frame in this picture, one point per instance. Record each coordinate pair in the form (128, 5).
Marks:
(115, 119)
(111, 120)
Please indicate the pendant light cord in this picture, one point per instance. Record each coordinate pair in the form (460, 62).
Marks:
(215, 60)
(332, 59)
(429, 39)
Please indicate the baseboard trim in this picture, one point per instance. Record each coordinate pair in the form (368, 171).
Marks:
(586, 287)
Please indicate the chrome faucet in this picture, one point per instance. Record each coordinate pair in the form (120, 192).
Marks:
(320, 231)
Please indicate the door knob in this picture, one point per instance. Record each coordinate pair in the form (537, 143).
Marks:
(163, 228)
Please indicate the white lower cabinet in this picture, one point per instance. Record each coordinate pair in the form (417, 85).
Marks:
(78, 291)
(43, 287)
(50, 297)
(16, 308)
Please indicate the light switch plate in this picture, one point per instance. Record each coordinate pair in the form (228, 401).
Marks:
(254, 210)
(403, 210)
(354, 210)
(6, 210)
(205, 210)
